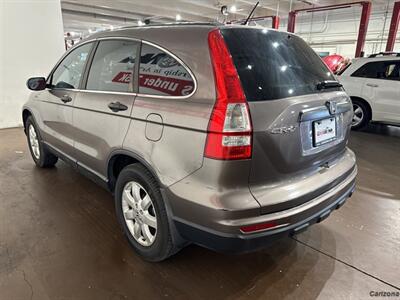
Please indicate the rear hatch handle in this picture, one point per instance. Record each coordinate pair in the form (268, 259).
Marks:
(322, 112)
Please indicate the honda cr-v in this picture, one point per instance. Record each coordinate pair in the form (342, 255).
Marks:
(224, 136)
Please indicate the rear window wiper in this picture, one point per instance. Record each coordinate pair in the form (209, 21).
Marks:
(328, 84)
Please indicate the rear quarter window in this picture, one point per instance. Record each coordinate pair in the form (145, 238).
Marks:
(160, 74)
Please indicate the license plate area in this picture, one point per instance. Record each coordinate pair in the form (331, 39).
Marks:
(324, 131)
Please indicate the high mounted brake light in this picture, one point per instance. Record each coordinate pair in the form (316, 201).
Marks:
(229, 131)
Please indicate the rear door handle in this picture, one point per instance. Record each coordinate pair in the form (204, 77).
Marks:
(66, 99)
(372, 85)
(117, 106)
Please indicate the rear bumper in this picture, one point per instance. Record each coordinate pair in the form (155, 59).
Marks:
(214, 216)
(239, 243)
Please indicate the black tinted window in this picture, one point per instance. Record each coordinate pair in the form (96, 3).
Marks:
(380, 70)
(69, 72)
(161, 74)
(112, 66)
(273, 65)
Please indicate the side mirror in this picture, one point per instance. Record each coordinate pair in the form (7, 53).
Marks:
(36, 83)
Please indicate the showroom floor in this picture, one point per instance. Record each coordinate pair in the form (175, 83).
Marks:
(59, 239)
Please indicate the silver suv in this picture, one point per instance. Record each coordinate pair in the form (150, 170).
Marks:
(224, 136)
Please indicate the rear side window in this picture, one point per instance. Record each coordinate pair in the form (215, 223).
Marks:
(389, 70)
(112, 66)
(162, 75)
(68, 73)
(274, 65)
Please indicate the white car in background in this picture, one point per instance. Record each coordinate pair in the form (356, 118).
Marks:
(373, 83)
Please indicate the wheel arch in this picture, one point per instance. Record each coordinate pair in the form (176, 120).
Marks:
(25, 115)
(364, 101)
(119, 159)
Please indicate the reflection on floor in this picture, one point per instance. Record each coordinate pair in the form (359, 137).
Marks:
(59, 239)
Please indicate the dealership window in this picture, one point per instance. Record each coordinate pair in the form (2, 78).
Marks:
(69, 72)
(389, 70)
(160, 74)
(112, 66)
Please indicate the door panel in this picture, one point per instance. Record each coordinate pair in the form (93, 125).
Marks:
(386, 99)
(102, 112)
(99, 130)
(57, 101)
(57, 119)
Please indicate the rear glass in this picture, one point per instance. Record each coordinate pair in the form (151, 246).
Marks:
(274, 65)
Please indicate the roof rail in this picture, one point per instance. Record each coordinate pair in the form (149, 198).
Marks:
(385, 54)
(171, 24)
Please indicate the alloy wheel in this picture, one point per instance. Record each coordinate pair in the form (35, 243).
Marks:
(34, 141)
(358, 115)
(139, 213)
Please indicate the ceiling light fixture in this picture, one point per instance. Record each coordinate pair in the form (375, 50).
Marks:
(178, 17)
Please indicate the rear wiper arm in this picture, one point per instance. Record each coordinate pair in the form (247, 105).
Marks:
(328, 84)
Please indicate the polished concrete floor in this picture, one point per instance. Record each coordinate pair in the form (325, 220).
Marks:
(59, 239)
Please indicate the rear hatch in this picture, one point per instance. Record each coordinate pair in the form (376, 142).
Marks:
(299, 124)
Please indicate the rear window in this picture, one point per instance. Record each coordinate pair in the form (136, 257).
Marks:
(274, 65)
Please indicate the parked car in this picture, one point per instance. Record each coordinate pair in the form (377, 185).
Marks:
(373, 83)
(334, 62)
(225, 136)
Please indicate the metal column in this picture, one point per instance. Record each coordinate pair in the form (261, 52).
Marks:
(394, 24)
(362, 31)
(291, 21)
(275, 22)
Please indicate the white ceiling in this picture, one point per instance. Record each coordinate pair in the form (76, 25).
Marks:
(80, 16)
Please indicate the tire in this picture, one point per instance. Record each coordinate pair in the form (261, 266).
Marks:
(41, 156)
(362, 115)
(136, 177)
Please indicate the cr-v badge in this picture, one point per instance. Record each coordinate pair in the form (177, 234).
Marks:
(285, 129)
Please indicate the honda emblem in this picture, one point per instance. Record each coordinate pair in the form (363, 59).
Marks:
(332, 107)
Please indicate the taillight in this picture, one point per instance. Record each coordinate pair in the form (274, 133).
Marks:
(229, 131)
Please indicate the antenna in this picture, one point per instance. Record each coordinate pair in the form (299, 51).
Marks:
(251, 13)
